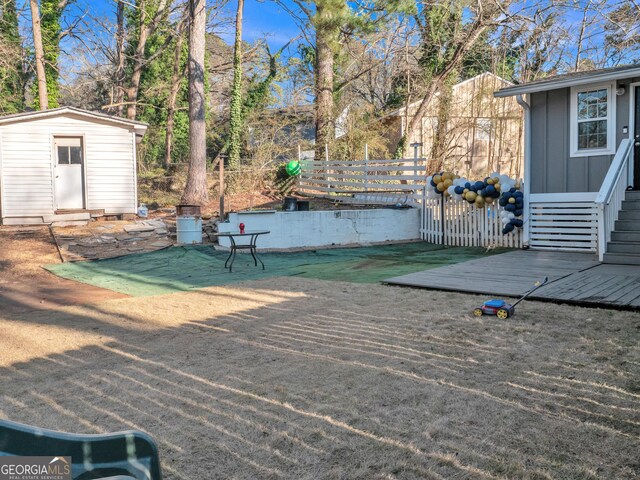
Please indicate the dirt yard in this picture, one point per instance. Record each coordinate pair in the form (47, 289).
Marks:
(308, 379)
(25, 285)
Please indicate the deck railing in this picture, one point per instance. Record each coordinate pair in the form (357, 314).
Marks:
(611, 194)
(365, 181)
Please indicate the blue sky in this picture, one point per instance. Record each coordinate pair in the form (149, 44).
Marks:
(262, 19)
(266, 19)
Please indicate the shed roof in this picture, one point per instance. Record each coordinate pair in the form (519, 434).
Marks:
(571, 79)
(139, 127)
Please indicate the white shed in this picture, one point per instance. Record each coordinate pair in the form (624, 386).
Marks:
(67, 164)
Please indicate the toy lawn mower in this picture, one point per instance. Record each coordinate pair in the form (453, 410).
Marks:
(502, 309)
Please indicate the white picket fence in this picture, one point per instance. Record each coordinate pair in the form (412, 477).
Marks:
(389, 182)
(465, 225)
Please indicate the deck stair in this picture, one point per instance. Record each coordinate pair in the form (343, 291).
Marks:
(624, 247)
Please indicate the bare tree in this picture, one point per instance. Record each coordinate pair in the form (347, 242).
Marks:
(147, 27)
(236, 120)
(39, 49)
(486, 14)
(120, 58)
(176, 81)
(196, 191)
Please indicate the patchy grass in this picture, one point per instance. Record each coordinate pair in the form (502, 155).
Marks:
(316, 379)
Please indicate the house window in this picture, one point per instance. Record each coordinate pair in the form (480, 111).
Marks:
(592, 121)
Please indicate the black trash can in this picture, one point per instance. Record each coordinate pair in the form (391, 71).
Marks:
(303, 205)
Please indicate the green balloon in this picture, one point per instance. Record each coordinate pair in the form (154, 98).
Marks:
(293, 168)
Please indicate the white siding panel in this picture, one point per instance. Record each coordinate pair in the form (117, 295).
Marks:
(27, 184)
(27, 165)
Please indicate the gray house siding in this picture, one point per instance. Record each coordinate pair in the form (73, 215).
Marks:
(552, 168)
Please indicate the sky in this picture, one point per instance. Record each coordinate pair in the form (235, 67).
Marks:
(262, 19)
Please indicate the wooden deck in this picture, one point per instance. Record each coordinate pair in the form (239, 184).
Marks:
(573, 277)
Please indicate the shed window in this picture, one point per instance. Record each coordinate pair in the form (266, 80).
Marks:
(592, 124)
(69, 151)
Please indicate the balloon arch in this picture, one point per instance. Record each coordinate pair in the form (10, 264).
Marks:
(506, 191)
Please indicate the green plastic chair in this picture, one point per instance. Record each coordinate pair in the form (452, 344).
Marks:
(129, 455)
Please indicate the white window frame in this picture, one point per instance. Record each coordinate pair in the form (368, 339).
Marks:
(611, 121)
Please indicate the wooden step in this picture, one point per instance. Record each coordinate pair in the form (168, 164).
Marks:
(622, 258)
(631, 205)
(632, 195)
(622, 236)
(624, 247)
(67, 217)
(627, 226)
(629, 215)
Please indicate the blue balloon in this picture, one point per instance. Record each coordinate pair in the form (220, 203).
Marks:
(467, 185)
(519, 194)
(513, 190)
(508, 228)
(490, 190)
(517, 222)
(518, 212)
(473, 188)
(433, 184)
(479, 185)
(503, 201)
(459, 190)
(510, 207)
(482, 192)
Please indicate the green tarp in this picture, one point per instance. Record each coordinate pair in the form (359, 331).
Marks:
(187, 268)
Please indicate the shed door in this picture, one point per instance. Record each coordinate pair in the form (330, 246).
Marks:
(69, 176)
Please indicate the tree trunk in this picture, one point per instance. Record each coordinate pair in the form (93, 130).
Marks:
(236, 120)
(325, 126)
(120, 33)
(173, 95)
(50, 16)
(147, 27)
(37, 45)
(195, 191)
(138, 64)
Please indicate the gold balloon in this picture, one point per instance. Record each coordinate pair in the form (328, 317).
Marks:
(496, 180)
(448, 182)
(490, 181)
(437, 179)
(470, 196)
(479, 202)
(512, 200)
(518, 185)
(489, 200)
(441, 187)
(465, 191)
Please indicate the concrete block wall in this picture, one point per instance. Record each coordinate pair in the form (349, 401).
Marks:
(326, 228)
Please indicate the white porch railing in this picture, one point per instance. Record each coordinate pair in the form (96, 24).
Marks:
(563, 221)
(611, 194)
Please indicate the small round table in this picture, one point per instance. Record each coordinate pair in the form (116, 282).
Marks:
(251, 246)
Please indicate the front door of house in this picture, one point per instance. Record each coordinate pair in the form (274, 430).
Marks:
(69, 175)
(636, 137)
